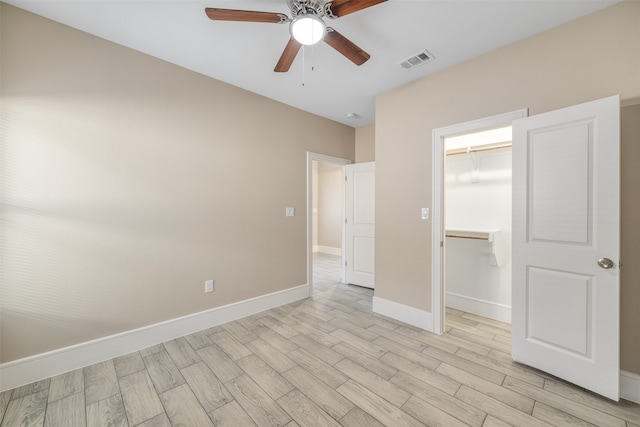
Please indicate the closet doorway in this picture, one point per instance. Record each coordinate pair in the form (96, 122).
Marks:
(566, 220)
(471, 217)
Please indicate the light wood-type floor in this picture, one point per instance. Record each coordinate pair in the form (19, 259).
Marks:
(323, 361)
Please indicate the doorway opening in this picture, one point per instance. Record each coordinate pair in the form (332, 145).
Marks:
(470, 248)
(325, 213)
(477, 223)
(327, 223)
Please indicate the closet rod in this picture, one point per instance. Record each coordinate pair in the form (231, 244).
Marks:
(474, 149)
(467, 236)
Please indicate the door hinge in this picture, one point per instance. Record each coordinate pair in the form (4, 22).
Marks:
(345, 262)
(441, 244)
(345, 220)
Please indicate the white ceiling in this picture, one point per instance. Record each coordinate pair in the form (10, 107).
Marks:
(244, 54)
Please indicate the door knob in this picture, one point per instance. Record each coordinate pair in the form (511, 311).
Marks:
(605, 263)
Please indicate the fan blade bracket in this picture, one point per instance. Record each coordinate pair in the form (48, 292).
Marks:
(217, 14)
(337, 8)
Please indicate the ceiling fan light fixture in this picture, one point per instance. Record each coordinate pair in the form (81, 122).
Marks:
(307, 29)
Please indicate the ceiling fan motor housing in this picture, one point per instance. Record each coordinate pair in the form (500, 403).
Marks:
(305, 7)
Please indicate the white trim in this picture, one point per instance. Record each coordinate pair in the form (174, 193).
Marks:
(329, 250)
(34, 368)
(322, 158)
(484, 308)
(437, 224)
(630, 386)
(404, 313)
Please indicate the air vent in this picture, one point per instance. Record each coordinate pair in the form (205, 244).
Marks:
(416, 60)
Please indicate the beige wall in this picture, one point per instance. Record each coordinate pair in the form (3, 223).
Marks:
(630, 237)
(330, 205)
(593, 57)
(366, 144)
(127, 182)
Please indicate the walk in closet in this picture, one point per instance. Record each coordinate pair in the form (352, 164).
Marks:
(478, 223)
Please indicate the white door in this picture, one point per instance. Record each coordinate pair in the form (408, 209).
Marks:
(359, 223)
(566, 240)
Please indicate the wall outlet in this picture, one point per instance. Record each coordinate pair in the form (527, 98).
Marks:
(289, 211)
(208, 286)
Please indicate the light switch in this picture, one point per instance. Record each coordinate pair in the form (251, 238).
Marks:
(425, 213)
(290, 211)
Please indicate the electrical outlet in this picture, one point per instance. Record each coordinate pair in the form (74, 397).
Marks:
(208, 286)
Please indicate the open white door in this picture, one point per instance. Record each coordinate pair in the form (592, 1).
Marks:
(359, 224)
(566, 240)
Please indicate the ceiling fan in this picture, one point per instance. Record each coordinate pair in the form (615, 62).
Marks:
(306, 26)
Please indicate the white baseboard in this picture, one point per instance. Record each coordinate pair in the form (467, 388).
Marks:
(630, 386)
(34, 368)
(483, 308)
(329, 250)
(404, 313)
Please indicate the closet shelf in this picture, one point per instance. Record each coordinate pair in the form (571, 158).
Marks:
(478, 148)
(494, 237)
(467, 235)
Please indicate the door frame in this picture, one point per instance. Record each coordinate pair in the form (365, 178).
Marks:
(322, 158)
(437, 201)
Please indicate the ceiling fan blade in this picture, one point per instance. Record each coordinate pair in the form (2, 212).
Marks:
(245, 15)
(287, 57)
(346, 47)
(338, 8)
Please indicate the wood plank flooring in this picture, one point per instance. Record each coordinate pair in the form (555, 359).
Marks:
(324, 361)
